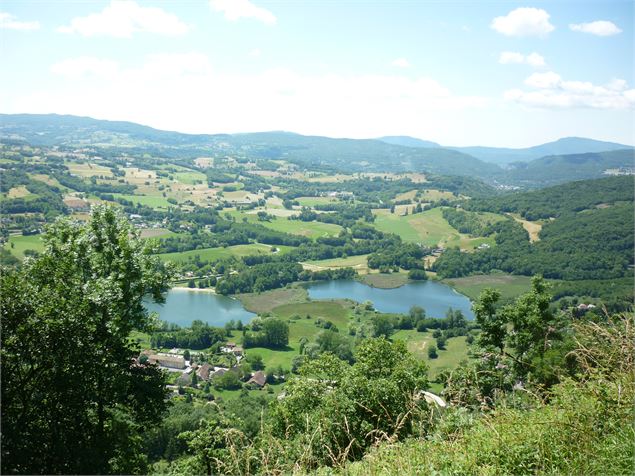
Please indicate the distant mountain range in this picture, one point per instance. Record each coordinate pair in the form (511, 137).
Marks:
(503, 156)
(566, 159)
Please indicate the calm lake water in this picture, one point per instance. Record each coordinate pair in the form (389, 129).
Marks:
(183, 306)
(434, 297)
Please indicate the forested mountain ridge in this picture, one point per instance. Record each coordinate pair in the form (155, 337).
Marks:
(387, 154)
(507, 155)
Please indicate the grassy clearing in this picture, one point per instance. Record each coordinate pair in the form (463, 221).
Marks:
(209, 254)
(268, 300)
(190, 178)
(419, 342)
(385, 281)
(310, 229)
(433, 195)
(88, 170)
(509, 286)
(312, 201)
(359, 263)
(428, 228)
(155, 232)
(18, 192)
(410, 195)
(532, 227)
(18, 244)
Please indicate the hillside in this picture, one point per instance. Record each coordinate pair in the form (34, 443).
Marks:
(564, 146)
(564, 168)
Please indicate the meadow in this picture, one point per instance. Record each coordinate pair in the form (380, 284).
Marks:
(209, 254)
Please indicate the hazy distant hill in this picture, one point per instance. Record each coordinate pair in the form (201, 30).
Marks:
(565, 168)
(408, 141)
(567, 145)
(344, 154)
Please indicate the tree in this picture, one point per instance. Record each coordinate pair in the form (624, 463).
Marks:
(382, 326)
(441, 342)
(186, 355)
(432, 352)
(191, 284)
(74, 400)
(256, 362)
(417, 275)
(276, 332)
(194, 382)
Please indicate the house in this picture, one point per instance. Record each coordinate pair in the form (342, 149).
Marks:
(218, 373)
(259, 379)
(167, 360)
(237, 351)
(203, 371)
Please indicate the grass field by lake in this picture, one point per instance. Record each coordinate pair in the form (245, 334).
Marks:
(268, 300)
(385, 281)
(209, 254)
(18, 244)
(472, 286)
(359, 263)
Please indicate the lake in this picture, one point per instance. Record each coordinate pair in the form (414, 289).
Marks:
(183, 306)
(434, 297)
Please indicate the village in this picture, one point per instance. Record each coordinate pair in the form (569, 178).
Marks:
(188, 373)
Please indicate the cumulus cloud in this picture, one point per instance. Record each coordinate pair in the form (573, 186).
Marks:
(123, 18)
(401, 63)
(524, 22)
(512, 57)
(549, 90)
(9, 22)
(598, 28)
(234, 10)
(185, 92)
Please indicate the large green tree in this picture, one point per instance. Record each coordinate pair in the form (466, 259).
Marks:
(74, 399)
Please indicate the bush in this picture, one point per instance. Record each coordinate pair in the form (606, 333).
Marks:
(432, 352)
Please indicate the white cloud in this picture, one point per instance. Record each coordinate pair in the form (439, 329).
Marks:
(184, 92)
(255, 53)
(598, 28)
(551, 91)
(512, 57)
(524, 22)
(85, 66)
(234, 10)
(9, 22)
(123, 18)
(401, 63)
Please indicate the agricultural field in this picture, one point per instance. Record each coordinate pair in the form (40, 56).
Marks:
(509, 286)
(359, 263)
(312, 201)
(18, 244)
(428, 228)
(310, 229)
(88, 169)
(532, 227)
(209, 254)
(155, 232)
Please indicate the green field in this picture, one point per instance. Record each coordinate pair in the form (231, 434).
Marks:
(428, 228)
(419, 342)
(18, 244)
(312, 201)
(359, 262)
(509, 286)
(190, 178)
(310, 229)
(268, 300)
(150, 201)
(210, 254)
(334, 311)
(385, 281)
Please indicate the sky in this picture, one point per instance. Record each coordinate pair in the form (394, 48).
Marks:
(459, 73)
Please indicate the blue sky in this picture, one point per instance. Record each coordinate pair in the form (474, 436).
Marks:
(459, 73)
